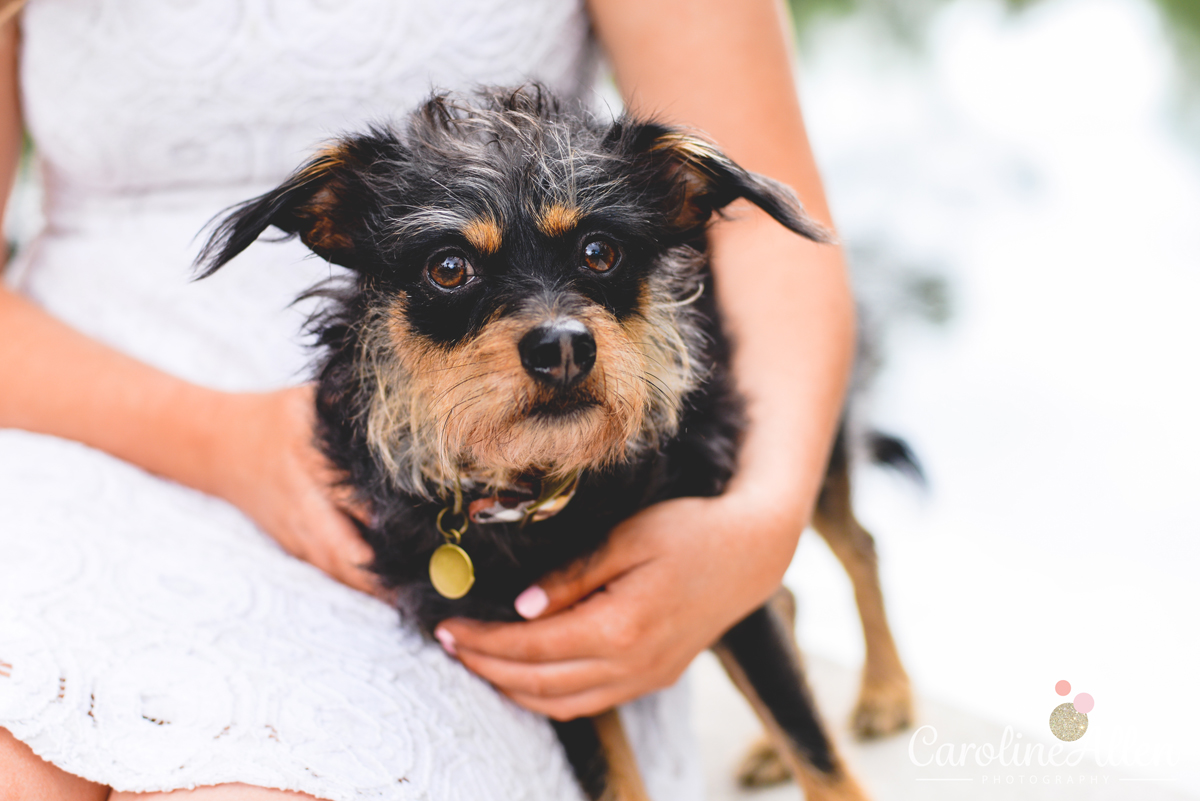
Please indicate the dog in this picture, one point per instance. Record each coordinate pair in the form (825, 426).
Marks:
(527, 352)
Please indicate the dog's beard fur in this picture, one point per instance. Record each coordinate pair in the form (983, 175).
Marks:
(437, 414)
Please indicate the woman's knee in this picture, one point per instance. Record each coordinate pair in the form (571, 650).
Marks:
(219, 792)
(24, 776)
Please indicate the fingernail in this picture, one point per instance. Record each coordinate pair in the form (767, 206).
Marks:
(447, 641)
(532, 602)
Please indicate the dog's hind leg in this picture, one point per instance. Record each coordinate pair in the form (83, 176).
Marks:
(761, 657)
(762, 766)
(624, 778)
(602, 758)
(885, 699)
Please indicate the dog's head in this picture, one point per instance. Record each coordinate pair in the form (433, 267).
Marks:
(524, 279)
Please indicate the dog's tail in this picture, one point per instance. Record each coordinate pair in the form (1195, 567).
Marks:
(891, 451)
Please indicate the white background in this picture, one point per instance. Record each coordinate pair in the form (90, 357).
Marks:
(1034, 160)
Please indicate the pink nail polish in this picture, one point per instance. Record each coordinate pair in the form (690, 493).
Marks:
(532, 602)
(447, 641)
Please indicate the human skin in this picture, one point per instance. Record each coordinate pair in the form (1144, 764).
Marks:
(678, 575)
(674, 577)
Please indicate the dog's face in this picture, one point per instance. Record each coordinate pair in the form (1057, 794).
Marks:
(525, 278)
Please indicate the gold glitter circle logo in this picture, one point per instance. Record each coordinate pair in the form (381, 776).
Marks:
(1068, 724)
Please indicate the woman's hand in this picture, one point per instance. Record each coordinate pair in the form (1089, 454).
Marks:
(678, 575)
(270, 468)
(630, 619)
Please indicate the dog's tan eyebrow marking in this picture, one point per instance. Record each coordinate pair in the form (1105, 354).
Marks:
(484, 234)
(556, 219)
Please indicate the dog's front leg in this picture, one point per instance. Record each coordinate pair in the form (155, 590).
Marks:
(761, 657)
(599, 751)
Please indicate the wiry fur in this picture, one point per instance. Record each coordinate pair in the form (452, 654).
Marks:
(436, 413)
(423, 387)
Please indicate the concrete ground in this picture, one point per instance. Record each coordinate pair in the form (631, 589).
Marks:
(726, 726)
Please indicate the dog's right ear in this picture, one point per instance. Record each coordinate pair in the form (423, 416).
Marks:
(324, 203)
(701, 180)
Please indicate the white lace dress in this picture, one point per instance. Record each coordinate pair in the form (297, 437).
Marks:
(150, 637)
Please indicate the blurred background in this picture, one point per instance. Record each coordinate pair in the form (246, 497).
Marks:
(1018, 185)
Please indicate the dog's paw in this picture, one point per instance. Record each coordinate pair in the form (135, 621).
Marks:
(883, 708)
(762, 766)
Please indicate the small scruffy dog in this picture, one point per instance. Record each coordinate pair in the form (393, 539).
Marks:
(529, 352)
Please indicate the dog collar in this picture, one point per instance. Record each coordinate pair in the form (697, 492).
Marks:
(451, 570)
(529, 500)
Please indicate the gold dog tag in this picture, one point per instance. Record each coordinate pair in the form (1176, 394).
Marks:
(451, 571)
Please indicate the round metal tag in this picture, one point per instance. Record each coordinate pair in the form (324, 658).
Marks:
(451, 571)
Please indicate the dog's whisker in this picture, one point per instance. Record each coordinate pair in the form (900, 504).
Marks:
(467, 380)
(662, 393)
(459, 366)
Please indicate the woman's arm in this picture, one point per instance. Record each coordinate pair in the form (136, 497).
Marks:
(679, 574)
(726, 68)
(254, 450)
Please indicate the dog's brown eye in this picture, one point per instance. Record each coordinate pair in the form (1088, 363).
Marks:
(599, 256)
(450, 271)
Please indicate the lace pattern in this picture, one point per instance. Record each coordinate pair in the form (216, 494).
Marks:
(150, 637)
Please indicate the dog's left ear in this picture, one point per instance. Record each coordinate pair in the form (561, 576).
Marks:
(700, 180)
(324, 203)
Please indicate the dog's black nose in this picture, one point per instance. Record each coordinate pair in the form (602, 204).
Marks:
(560, 353)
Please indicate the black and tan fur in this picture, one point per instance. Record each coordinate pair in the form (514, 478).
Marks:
(426, 382)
